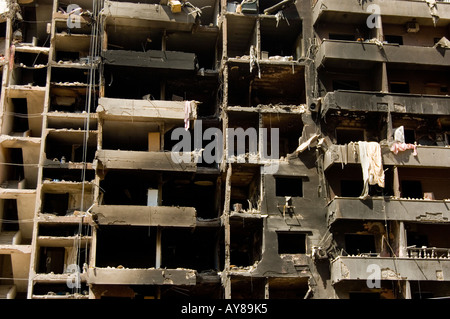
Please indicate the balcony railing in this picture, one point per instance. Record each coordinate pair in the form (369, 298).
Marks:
(427, 252)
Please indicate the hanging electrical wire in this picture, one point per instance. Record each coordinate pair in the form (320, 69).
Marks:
(92, 61)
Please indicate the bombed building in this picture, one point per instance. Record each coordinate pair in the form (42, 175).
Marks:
(334, 184)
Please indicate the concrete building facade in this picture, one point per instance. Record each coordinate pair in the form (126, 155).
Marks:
(351, 97)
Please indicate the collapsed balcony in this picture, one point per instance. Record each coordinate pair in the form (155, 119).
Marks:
(277, 85)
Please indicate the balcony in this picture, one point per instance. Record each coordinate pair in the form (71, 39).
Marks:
(127, 14)
(155, 161)
(145, 215)
(332, 52)
(379, 208)
(412, 269)
(133, 276)
(427, 156)
(326, 10)
(384, 102)
(111, 108)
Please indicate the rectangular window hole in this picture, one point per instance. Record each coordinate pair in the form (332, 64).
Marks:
(351, 188)
(288, 186)
(399, 87)
(57, 204)
(345, 136)
(356, 244)
(412, 189)
(291, 243)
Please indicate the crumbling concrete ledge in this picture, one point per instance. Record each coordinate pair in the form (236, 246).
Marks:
(140, 276)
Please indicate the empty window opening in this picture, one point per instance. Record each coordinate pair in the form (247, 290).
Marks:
(410, 136)
(243, 133)
(29, 76)
(134, 38)
(395, 39)
(30, 59)
(132, 83)
(51, 259)
(245, 187)
(351, 188)
(430, 236)
(65, 230)
(10, 215)
(289, 130)
(70, 147)
(348, 85)
(241, 35)
(345, 136)
(288, 288)
(70, 100)
(279, 38)
(69, 75)
(131, 136)
(57, 204)
(43, 289)
(183, 191)
(128, 187)
(277, 85)
(57, 259)
(67, 56)
(399, 87)
(412, 189)
(6, 270)
(16, 172)
(342, 37)
(73, 175)
(247, 288)
(417, 239)
(71, 47)
(356, 244)
(291, 243)
(127, 246)
(289, 186)
(246, 242)
(20, 116)
(184, 248)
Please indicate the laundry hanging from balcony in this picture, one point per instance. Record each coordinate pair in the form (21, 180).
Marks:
(372, 165)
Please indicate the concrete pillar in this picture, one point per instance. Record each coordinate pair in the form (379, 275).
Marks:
(158, 248)
(402, 240)
(396, 183)
(407, 290)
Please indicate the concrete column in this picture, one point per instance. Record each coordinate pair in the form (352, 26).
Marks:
(158, 248)
(396, 183)
(407, 290)
(226, 221)
(402, 240)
